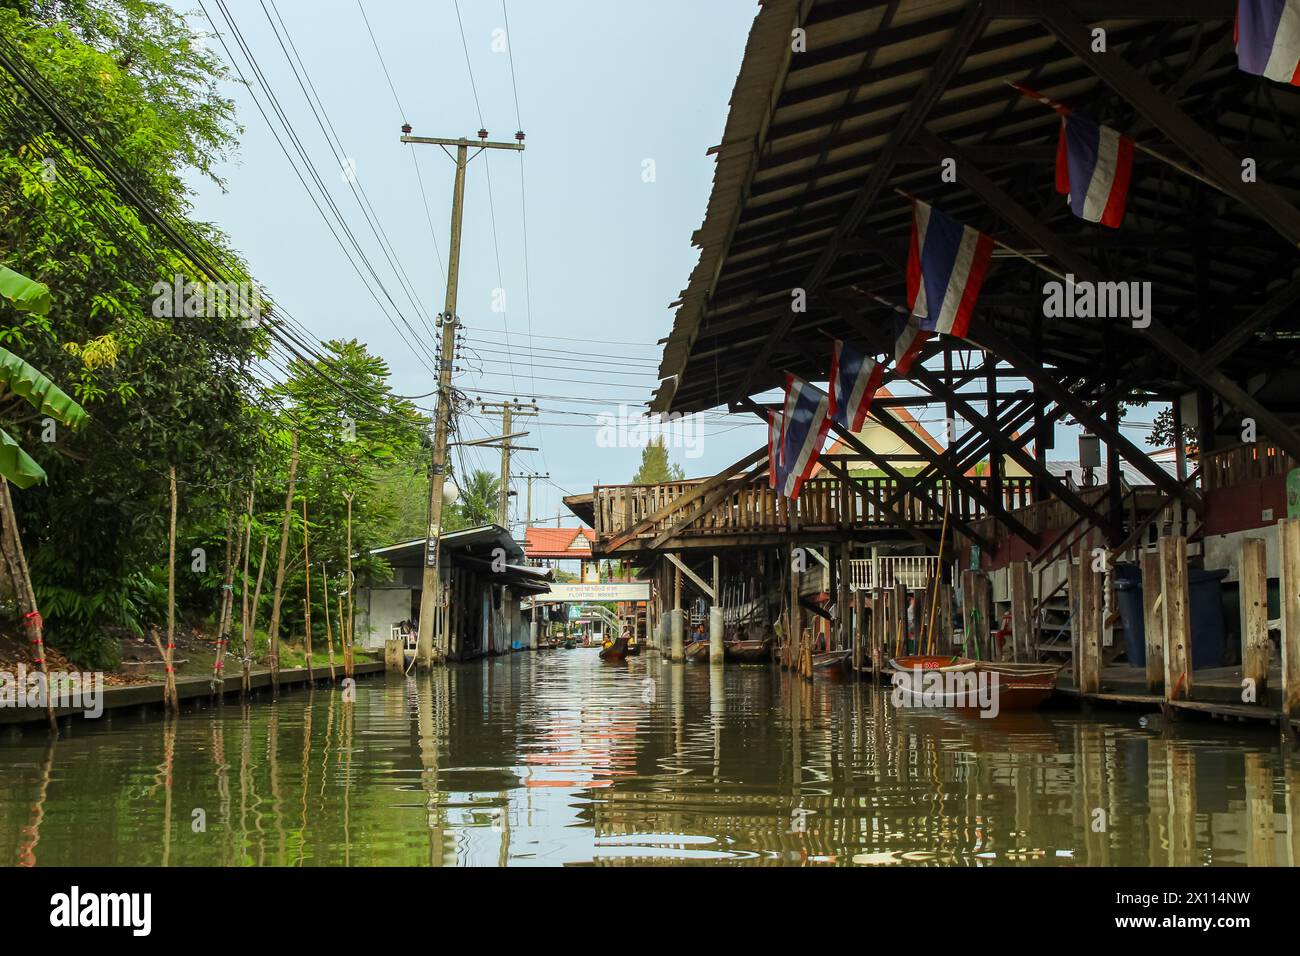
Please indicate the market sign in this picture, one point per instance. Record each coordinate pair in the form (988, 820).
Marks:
(596, 592)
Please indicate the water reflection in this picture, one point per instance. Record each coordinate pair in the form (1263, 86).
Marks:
(555, 758)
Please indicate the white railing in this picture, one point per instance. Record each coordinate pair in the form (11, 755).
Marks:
(914, 571)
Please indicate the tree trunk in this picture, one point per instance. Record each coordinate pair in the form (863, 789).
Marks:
(244, 619)
(277, 595)
(252, 617)
(347, 649)
(234, 548)
(329, 636)
(16, 559)
(170, 699)
(306, 560)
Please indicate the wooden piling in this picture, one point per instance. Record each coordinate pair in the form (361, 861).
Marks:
(1252, 574)
(877, 627)
(856, 634)
(1178, 626)
(1153, 614)
(1289, 539)
(1086, 632)
(1260, 841)
(900, 619)
(1022, 601)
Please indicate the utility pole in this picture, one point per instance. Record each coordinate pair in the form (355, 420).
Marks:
(448, 322)
(528, 514)
(507, 411)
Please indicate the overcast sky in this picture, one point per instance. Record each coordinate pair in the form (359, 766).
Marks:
(620, 101)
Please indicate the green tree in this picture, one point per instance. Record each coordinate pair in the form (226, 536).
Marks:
(480, 499)
(655, 467)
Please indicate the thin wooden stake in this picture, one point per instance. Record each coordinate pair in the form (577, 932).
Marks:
(306, 560)
(278, 593)
(21, 577)
(329, 634)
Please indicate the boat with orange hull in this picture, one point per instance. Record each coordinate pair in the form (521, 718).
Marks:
(1020, 686)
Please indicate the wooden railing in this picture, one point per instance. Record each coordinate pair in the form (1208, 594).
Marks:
(1240, 464)
(824, 504)
(913, 570)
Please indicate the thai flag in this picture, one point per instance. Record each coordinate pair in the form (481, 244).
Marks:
(1093, 167)
(945, 269)
(853, 382)
(1267, 34)
(775, 477)
(806, 420)
(908, 339)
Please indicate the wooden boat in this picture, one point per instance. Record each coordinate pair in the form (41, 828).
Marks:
(615, 653)
(831, 661)
(633, 650)
(569, 644)
(1022, 686)
(697, 652)
(748, 652)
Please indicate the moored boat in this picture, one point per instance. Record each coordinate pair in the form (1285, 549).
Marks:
(831, 661)
(615, 652)
(1019, 687)
(1022, 686)
(697, 652)
(748, 652)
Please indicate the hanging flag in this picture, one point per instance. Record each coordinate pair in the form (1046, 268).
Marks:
(908, 339)
(775, 477)
(945, 269)
(1267, 36)
(1093, 167)
(853, 382)
(805, 420)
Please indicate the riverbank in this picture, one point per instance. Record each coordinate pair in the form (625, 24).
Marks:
(194, 692)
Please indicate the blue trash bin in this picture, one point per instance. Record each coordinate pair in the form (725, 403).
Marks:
(1209, 638)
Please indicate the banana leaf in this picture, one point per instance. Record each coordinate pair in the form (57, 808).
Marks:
(25, 294)
(17, 466)
(47, 397)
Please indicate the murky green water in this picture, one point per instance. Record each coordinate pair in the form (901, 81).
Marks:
(555, 758)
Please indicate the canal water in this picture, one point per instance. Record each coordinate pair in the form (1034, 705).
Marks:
(554, 758)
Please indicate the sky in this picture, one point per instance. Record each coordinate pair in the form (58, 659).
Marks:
(619, 101)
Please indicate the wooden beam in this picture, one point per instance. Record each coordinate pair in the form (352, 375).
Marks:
(1023, 638)
(701, 489)
(994, 508)
(700, 583)
(710, 500)
(1289, 540)
(1219, 164)
(1177, 620)
(1154, 621)
(904, 522)
(1252, 573)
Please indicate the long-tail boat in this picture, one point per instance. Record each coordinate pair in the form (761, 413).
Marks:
(1020, 686)
(616, 652)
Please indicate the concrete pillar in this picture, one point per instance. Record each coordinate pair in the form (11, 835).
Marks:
(677, 619)
(715, 635)
(532, 633)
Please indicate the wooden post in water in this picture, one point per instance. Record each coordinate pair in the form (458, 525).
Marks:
(1153, 615)
(1178, 626)
(1252, 573)
(1261, 842)
(877, 627)
(856, 630)
(842, 615)
(1288, 531)
(678, 625)
(170, 698)
(900, 618)
(945, 617)
(1088, 624)
(1022, 601)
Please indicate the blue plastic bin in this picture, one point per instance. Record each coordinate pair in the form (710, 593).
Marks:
(1209, 637)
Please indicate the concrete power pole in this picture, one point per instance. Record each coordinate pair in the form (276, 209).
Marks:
(528, 514)
(448, 322)
(508, 411)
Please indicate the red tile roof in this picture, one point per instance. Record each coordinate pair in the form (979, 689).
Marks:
(558, 542)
